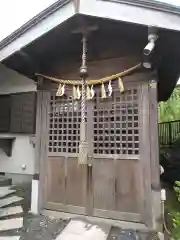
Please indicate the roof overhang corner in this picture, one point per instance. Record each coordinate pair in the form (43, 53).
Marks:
(41, 24)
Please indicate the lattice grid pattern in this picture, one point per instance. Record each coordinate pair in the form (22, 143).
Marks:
(64, 124)
(116, 123)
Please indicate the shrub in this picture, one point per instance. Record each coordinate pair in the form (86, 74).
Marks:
(170, 110)
(176, 214)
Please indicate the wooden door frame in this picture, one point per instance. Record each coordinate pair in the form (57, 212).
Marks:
(150, 160)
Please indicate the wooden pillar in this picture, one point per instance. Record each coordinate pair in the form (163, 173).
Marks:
(154, 155)
(35, 181)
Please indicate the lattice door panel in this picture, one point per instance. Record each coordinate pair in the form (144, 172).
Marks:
(64, 124)
(62, 173)
(116, 123)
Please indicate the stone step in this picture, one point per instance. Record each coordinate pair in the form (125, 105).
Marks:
(82, 230)
(5, 191)
(4, 181)
(10, 238)
(11, 224)
(10, 200)
(10, 211)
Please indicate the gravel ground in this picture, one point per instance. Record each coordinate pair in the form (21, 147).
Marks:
(39, 227)
(35, 227)
(118, 234)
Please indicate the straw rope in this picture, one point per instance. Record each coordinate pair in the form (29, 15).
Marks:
(94, 81)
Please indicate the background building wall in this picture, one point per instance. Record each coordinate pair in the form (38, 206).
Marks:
(13, 82)
(22, 159)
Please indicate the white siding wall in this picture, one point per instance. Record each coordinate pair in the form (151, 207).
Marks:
(22, 151)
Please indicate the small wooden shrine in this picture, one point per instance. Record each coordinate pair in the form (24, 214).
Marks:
(98, 85)
(97, 131)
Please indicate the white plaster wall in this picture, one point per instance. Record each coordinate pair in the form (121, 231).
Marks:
(13, 82)
(22, 150)
(22, 154)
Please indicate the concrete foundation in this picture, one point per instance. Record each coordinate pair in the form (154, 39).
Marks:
(19, 178)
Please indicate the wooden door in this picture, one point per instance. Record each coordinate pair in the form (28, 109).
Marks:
(117, 167)
(65, 181)
(116, 181)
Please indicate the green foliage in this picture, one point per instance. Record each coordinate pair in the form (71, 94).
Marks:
(176, 214)
(170, 110)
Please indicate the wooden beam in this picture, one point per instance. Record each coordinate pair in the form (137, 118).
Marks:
(83, 27)
(76, 5)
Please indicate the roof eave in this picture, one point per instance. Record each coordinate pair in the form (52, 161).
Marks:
(37, 27)
(154, 5)
(143, 12)
(132, 11)
(32, 22)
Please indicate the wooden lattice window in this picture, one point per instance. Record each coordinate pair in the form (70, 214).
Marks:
(116, 123)
(5, 109)
(64, 124)
(23, 113)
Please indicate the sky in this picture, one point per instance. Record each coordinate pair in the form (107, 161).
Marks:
(172, 2)
(14, 13)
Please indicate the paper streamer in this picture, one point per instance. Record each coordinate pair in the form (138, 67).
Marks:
(121, 85)
(103, 91)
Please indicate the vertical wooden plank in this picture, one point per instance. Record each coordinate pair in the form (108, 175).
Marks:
(154, 144)
(128, 180)
(89, 173)
(37, 167)
(154, 138)
(55, 178)
(75, 183)
(145, 152)
(103, 177)
(44, 145)
(38, 132)
(90, 126)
